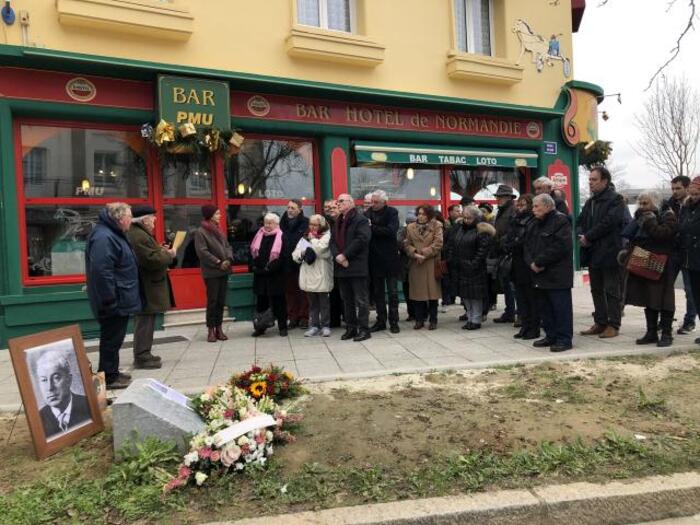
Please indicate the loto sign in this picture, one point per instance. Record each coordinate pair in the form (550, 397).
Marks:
(204, 103)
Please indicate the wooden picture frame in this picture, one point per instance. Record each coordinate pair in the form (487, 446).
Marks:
(52, 368)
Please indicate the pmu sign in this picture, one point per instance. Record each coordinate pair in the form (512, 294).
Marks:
(204, 103)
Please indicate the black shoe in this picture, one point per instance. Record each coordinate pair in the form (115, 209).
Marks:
(349, 334)
(125, 374)
(283, 332)
(665, 340)
(258, 333)
(377, 327)
(293, 324)
(467, 326)
(649, 338)
(463, 317)
(517, 323)
(362, 335)
(148, 364)
(697, 341)
(474, 326)
(504, 319)
(119, 382)
(529, 336)
(560, 348)
(541, 343)
(410, 318)
(686, 329)
(518, 335)
(432, 326)
(394, 329)
(418, 325)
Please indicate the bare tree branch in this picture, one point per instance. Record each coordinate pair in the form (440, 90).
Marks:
(675, 51)
(670, 128)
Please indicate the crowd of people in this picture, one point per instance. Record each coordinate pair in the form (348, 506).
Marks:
(320, 271)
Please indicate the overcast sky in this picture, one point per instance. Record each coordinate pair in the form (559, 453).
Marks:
(619, 47)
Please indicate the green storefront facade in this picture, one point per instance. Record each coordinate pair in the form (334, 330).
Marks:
(70, 141)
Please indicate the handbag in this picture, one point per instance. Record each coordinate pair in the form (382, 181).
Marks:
(263, 320)
(646, 264)
(440, 269)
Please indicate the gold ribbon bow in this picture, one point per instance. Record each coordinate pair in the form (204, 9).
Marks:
(165, 132)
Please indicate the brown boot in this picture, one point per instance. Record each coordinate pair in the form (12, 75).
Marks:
(211, 336)
(609, 332)
(220, 335)
(596, 329)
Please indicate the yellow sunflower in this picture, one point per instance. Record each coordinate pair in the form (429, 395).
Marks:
(258, 389)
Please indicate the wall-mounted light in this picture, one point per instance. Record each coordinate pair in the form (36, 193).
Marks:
(241, 188)
(433, 191)
(410, 173)
(85, 185)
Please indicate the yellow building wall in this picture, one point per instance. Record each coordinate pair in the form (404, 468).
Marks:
(405, 43)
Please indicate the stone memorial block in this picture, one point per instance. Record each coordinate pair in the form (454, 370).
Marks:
(150, 408)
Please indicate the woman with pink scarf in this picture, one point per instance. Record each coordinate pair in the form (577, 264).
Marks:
(267, 265)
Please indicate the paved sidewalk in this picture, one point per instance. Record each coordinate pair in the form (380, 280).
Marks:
(192, 364)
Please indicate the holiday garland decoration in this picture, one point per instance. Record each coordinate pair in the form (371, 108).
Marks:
(594, 153)
(187, 140)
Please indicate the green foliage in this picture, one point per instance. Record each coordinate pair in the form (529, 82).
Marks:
(143, 463)
(656, 406)
(596, 154)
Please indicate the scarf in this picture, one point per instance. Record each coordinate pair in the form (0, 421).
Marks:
(341, 229)
(276, 245)
(213, 229)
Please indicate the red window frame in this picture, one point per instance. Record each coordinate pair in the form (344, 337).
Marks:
(315, 202)
(24, 201)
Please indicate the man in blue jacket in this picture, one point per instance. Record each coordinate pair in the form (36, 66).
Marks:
(113, 287)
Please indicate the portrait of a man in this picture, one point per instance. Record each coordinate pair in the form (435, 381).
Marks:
(63, 409)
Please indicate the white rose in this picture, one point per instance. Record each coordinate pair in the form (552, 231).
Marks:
(205, 397)
(262, 461)
(190, 458)
(243, 440)
(200, 477)
(239, 466)
(269, 436)
(283, 413)
(253, 445)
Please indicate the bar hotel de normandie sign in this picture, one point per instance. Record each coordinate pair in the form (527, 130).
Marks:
(331, 112)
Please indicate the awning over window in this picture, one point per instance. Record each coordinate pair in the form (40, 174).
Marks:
(443, 155)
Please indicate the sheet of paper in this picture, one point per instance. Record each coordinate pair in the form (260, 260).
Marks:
(243, 427)
(179, 239)
(303, 244)
(169, 393)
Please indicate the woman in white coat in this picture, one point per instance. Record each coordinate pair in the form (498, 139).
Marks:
(316, 274)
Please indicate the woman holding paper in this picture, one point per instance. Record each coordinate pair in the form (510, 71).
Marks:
(267, 264)
(215, 260)
(313, 253)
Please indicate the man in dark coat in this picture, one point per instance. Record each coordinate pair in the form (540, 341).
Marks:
(350, 249)
(599, 228)
(690, 239)
(679, 193)
(294, 225)
(384, 257)
(112, 276)
(64, 409)
(549, 254)
(330, 212)
(506, 210)
(153, 260)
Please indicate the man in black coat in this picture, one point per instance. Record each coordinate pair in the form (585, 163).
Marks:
(599, 228)
(549, 254)
(679, 193)
(506, 210)
(384, 257)
(350, 248)
(64, 409)
(294, 225)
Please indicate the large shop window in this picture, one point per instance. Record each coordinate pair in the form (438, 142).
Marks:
(67, 174)
(481, 183)
(336, 15)
(406, 186)
(262, 178)
(473, 26)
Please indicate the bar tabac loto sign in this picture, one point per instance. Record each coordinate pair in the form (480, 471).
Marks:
(204, 103)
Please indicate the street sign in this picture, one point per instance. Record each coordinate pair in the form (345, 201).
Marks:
(550, 148)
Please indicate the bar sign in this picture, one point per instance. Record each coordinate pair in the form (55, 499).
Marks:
(550, 148)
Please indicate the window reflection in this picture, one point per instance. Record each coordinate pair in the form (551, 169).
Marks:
(186, 176)
(79, 162)
(481, 183)
(398, 181)
(187, 219)
(271, 169)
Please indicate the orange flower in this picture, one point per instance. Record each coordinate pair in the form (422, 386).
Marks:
(258, 389)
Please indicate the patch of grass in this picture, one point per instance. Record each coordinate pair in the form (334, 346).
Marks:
(636, 359)
(564, 388)
(513, 391)
(645, 403)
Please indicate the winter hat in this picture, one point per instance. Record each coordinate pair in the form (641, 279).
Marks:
(208, 211)
(504, 191)
(142, 211)
(467, 200)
